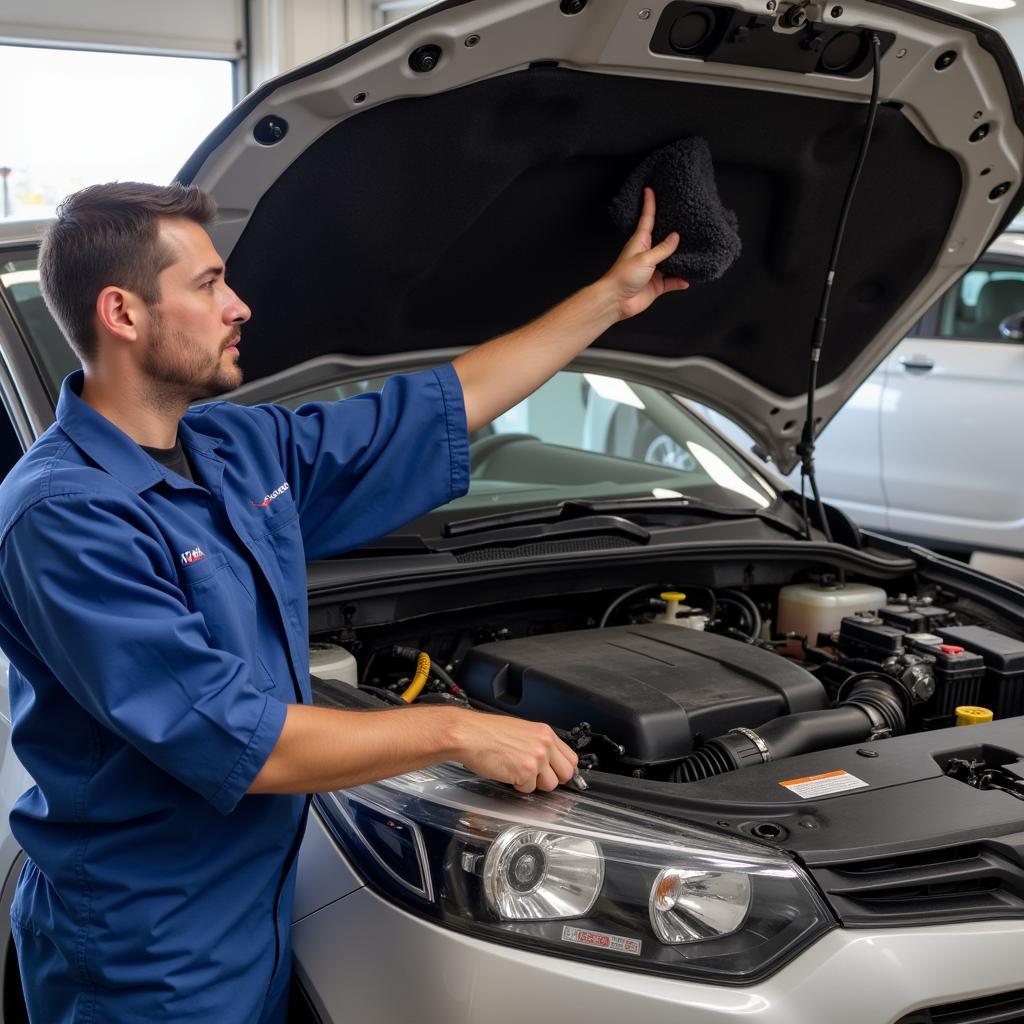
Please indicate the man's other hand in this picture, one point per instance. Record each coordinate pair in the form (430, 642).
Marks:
(528, 755)
(635, 275)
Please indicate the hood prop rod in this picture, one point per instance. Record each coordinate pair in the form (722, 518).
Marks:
(805, 449)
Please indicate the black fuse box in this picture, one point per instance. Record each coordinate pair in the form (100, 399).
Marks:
(1003, 688)
(914, 618)
(933, 616)
(902, 616)
(865, 636)
(959, 678)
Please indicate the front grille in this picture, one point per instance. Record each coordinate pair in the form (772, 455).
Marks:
(1005, 1008)
(960, 883)
(531, 549)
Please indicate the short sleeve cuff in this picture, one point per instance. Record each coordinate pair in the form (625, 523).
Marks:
(455, 422)
(263, 740)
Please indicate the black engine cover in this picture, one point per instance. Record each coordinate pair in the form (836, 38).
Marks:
(652, 688)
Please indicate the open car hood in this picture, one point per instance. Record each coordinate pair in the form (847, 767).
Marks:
(373, 214)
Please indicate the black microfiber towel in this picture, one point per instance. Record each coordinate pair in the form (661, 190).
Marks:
(683, 180)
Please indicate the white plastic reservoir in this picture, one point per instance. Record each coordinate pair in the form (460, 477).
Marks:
(810, 608)
(329, 661)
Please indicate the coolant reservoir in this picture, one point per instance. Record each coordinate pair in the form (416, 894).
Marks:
(810, 608)
(329, 661)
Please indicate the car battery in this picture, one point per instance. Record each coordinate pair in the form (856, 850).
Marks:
(959, 678)
(866, 636)
(1003, 688)
(914, 618)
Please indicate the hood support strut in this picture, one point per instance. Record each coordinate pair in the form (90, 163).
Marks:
(805, 449)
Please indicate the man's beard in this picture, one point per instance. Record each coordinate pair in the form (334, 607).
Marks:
(181, 371)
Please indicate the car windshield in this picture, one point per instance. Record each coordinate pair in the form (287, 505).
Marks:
(580, 436)
(591, 436)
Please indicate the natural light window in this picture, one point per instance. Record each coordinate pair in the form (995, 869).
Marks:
(387, 11)
(72, 118)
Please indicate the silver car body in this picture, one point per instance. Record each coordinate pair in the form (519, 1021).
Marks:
(358, 955)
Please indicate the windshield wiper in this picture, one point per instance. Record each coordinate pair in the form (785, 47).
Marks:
(619, 507)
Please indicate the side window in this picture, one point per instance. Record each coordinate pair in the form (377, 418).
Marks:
(985, 296)
(19, 278)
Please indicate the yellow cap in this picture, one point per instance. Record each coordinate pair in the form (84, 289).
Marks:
(972, 716)
(673, 595)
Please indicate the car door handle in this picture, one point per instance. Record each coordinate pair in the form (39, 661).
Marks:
(917, 364)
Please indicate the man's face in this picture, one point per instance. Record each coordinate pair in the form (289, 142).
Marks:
(191, 344)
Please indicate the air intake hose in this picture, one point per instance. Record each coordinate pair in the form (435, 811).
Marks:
(870, 706)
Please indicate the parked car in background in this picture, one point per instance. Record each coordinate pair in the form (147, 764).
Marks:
(929, 447)
(782, 823)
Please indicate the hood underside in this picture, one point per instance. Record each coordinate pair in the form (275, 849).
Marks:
(441, 209)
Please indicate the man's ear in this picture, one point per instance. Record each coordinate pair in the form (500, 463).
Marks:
(119, 312)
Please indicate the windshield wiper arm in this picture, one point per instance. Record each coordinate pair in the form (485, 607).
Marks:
(580, 509)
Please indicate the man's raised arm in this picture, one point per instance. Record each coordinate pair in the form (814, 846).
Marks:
(497, 375)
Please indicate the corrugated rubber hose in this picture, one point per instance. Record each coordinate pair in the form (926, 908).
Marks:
(419, 680)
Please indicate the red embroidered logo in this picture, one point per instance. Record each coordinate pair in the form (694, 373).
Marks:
(271, 496)
(190, 557)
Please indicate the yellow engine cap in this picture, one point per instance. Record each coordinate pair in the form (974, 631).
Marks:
(972, 716)
(673, 595)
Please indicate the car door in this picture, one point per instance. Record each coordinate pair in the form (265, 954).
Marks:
(847, 455)
(952, 417)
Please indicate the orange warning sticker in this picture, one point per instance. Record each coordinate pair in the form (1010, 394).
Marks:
(825, 784)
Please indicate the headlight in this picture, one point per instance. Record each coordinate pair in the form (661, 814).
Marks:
(570, 875)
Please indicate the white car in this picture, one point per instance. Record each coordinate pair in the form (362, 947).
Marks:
(928, 448)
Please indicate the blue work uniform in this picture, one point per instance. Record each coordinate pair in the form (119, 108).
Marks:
(157, 630)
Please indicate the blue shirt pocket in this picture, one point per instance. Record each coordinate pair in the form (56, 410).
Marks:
(276, 515)
(228, 607)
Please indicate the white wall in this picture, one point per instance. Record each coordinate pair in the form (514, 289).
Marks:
(1010, 25)
(286, 33)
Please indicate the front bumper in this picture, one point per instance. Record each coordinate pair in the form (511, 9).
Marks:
(363, 959)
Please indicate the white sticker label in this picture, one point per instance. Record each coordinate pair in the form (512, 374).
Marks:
(823, 785)
(618, 943)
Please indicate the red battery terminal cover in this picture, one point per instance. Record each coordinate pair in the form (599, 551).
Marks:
(951, 649)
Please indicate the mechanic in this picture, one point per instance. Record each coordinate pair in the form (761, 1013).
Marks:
(153, 605)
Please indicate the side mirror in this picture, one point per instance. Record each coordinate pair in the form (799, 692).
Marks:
(1012, 328)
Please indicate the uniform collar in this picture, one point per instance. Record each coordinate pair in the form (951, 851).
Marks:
(109, 446)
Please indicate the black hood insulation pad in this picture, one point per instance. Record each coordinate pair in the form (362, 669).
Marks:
(446, 220)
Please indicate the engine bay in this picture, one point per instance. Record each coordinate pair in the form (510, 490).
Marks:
(680, 683)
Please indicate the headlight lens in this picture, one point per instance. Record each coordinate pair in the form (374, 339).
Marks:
(531, 875)
(567, 874)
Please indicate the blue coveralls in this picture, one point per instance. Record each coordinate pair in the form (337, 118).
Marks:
(157, 629)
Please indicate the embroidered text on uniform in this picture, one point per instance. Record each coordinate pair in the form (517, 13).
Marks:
(272, 495)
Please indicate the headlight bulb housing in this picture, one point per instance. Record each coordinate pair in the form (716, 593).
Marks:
(533, 875)
(692, 906)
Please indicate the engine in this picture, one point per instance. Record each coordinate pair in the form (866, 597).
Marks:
(657, 689)
(644, 683)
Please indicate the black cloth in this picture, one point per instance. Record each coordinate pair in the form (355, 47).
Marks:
(173, 458)
(686, 195)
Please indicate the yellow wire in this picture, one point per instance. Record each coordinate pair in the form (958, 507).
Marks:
(419, 680)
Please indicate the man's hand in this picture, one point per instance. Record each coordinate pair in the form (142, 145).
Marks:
(526, 754)
(635, 275)
(321, 749)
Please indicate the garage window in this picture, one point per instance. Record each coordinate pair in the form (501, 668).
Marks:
(92, 116)
(387, 11)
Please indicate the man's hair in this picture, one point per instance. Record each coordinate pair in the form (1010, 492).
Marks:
(108, 235)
